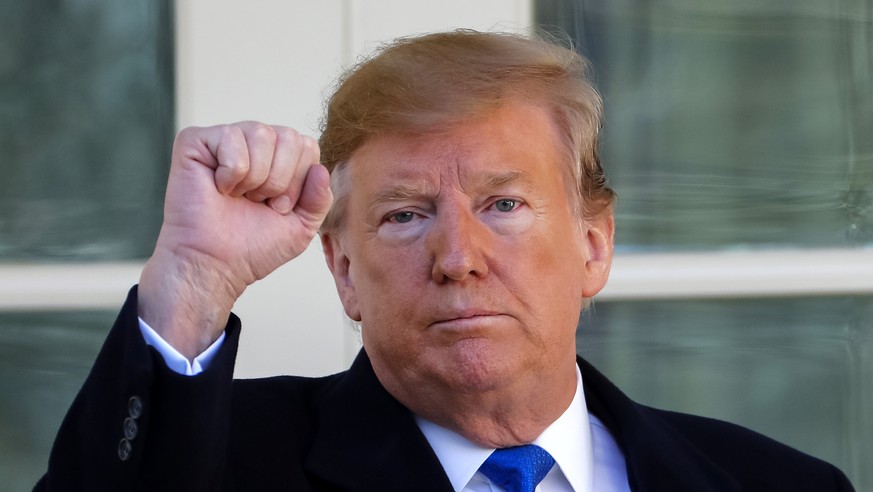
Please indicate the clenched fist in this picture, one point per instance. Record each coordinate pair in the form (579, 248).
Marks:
(241, 201)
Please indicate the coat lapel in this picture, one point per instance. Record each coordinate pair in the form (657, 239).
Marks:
(657, 457)
(367, 440)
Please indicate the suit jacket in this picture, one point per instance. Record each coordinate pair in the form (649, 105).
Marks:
(345, 432)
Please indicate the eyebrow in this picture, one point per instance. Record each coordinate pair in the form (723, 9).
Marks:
(502, 178)
(399, 192)
(405, 191)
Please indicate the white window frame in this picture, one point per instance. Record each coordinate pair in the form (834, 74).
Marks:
(634, 277)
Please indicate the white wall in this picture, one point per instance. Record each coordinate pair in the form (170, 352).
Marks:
(274, 60)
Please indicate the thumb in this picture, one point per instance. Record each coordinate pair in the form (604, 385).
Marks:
(315, 197)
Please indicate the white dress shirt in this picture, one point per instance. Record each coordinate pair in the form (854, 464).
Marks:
(589, 462)
(174, 360)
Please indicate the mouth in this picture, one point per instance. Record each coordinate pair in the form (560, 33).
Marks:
(467, 321)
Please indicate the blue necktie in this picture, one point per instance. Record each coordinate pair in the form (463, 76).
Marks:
(518, 469)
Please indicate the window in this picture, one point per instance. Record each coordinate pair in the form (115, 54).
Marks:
(736, 137)
(87, 120)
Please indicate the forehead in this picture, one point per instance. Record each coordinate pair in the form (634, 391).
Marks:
(515, 140)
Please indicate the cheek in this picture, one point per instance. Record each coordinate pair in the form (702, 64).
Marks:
(390, 325)
(388, 281)
(547, 275)
(550, 251)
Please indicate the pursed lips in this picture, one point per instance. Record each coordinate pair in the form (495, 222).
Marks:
(467, 318)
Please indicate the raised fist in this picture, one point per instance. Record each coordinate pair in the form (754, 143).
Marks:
(241, 201)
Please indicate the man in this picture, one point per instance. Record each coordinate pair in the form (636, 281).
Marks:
(470, 224)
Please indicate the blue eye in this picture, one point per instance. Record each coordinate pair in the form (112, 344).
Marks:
(401, 217)
(505, 204)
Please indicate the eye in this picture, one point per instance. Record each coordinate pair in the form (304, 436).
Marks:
(401, 217)
(506, 204)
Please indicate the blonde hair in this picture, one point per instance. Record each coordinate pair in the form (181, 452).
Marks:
(424, 84)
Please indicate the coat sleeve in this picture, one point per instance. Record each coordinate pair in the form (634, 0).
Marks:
(137, 425)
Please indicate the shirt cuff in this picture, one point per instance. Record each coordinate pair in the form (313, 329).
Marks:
(177, 362)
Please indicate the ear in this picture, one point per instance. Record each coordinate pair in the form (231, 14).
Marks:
(598, 238)
(338, 263)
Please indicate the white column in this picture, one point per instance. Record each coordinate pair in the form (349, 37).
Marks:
(274, 61)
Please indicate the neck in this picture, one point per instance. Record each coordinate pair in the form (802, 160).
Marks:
(498, 418)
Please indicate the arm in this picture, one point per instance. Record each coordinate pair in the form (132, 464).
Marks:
(137, 425)
(174, 360)
(241, 201)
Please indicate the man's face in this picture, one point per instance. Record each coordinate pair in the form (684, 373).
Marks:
(463, 259)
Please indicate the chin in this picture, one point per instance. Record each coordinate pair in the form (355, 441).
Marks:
(476, 366)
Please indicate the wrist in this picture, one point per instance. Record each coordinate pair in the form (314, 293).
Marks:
(186, 300)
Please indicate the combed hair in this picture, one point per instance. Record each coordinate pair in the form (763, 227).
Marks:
(425, 84)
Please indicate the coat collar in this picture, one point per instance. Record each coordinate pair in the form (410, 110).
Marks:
(366, 440)
(657, 457)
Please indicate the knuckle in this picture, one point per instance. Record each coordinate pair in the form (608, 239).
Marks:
(238, 167)
(287, 135)
(235, 160)
(272, 186)
(234, 137)
(186, 133)
(230, 133)
(262, 132)
(236, 170)
(187, 136)
(310, 146)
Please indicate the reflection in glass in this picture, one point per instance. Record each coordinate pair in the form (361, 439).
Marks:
(44, 358)
(732, 124)
(799, 370)
(86, 126)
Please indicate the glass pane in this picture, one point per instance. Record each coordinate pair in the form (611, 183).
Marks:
(86, 126)
(44, 359)
(798, 370)
(732, 124)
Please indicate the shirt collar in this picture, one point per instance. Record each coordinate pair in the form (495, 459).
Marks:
(461, 458)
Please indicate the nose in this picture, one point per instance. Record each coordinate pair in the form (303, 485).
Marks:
(458, 242)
